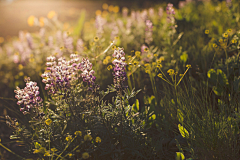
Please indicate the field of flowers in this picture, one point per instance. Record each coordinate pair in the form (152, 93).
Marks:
(160, 83)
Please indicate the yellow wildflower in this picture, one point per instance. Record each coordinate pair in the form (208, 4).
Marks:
(48, 121)
(104, 13)
(85, 155)
(51, 14)
(68, 138)
(160, 75)
(105, 6)
(138, 53)
(98, 12)
(114, 47)
(188, 66)
(116, 9)
(146, 49)
(78, 133)
(53, 149)
(46, 154)
(229, 30)
(214, 45)
(20, 66)
(116, 38)
(225, 35)
(1, 40)
(31, 20)
(109, 67)
(170, 72)
(87, 137)
(96, 39)
(111, 8)
(70, 155)
(206, 31)
(20, 74)
(41, 21)
(98, 140)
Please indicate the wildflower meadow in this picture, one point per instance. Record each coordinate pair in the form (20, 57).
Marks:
(150, 83)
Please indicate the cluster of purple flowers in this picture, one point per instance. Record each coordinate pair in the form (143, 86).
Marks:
(59, 76)
(119, 67)
(28, 98)
(148, 32)
(170, 14)
(87, 73)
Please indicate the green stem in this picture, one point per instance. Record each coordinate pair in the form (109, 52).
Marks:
(10, 151)
(66, 147)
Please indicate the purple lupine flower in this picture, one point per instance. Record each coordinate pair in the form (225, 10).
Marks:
(229, 3)
(125, 12)
(42, 35)
(59, 75)
(50, 41)
(170, 15)
(99, 23)
(68, 42)
(29, 40)
(87, 73)
(160, 12)
(119, 63)
(80, 46)
(115, 31)
(148, 32)
(28, 98)
(151, 12)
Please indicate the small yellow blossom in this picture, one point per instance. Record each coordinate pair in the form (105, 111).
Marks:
(54, 150)
(188, 66)
(116, 38)
(135, 63)
(220, 40)
(48, 121)
(51, 14)
(31, 20)
(98, 12)
(229, 30)
(68, 138)
(114, 47)
(180, 75)
(111, 8)
(234, 41)
(1, 40)
(225, 35)
(138, 53)
(146, 49)
(160, 75)
(109, 67)
(98, 140)
(105, 6)
(85, 155)
(87, 137)
(154, 63)
(155, 55)
(104, 14)
(61, 48)
(41, 21)
(96, 39)
(146, 64)
(159, 66)
(206, 31)
(116, 9)
(78, 133)
(20, 66)
(170, 72)
(20, 74)
(46, 154)
(70, 155)
(214, 45)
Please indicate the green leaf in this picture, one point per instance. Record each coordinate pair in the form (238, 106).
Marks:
(136, 106)
(78, 29)
(183, 131)
(179, 156)
(180, 115)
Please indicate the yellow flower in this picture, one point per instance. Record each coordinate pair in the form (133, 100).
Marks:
(116, 9)
(214, 45)
(31, 20)
(154, 63)
(109, 67)
(105, 6)
(146, 64)
(70, 155)
(41, 21)
(220, 40)
(61, 48)
(98, 12)
(135, 63)
(78, 133)
(54, 150)
(40, 150)
(159, 66)
(20, 74)
(51, 14)
(98, 140)
(116, 38)
(229, 30)
(138, 53)
(225, 35)
(180, 75)
(46, 154)
(146, 49)
(20, 66)
(155, 55)
(188, 66)
(1, 40)
(48, 121)
(160, 75)
(85, 155)
(110, 8)
(206, 31)
(96, 39)
(68, 138)
(149, 55)
(87, 137)
(170, 72)
(114, 47)
(104, 14)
